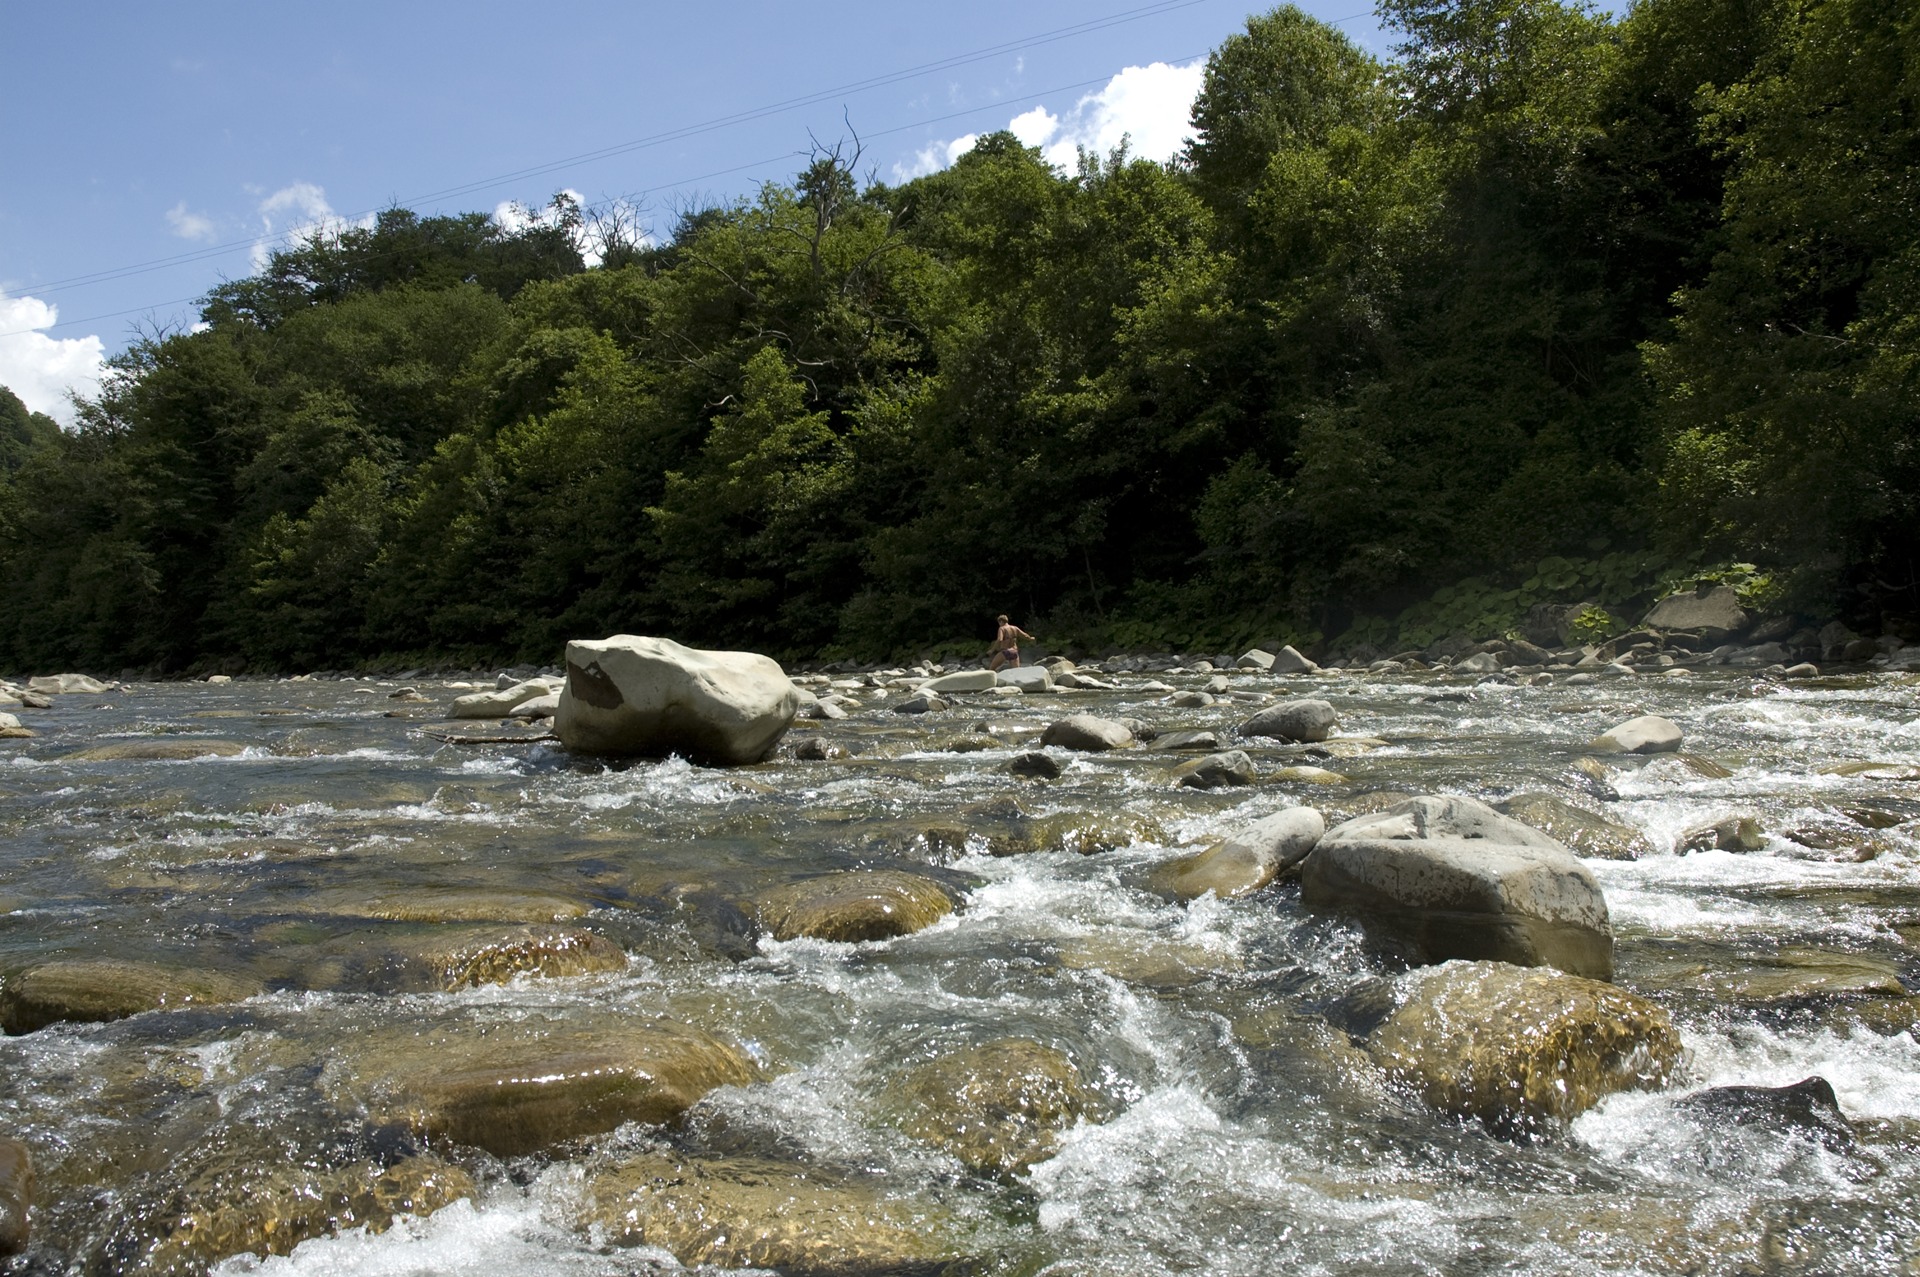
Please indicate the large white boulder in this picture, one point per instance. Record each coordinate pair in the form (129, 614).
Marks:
(1648, 734)
(634, 695)
(1439, 878)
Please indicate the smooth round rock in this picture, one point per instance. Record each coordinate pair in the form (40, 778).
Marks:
(1307, 720)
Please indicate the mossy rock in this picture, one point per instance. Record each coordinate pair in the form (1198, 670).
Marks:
(92, 990)
(738, 1212)
(859, 904)
(1307, 775)
(1521, 1049)
(998, 1107)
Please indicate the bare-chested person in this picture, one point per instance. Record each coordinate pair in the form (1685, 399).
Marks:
(1006, 644)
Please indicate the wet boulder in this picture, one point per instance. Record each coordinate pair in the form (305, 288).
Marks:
(1442, 877)
(516, 1088)
(651, 696)
(1307, 720)
(1087, 733)
(1585, 833)
(962, 681)
(497, 955)
(998, 1107)
(1807, 1108)
(715, 1213)
(1209, 741)
(856, 905)
(92, 990)
(1734, 833)
(1520, 1050)
(16, 1196)
(1648, 734)
(1026, 678)
(1215, 771)
(10, 729)
(1084, 833)
(1035, 764)
(1289, 661)
(1247, 861)
(226, 1208)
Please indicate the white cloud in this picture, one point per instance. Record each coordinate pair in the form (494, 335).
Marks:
(189, 225)
(1149, 105)
(292, 214)
(42, 369)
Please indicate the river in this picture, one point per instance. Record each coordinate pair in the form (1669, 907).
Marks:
(309, 841)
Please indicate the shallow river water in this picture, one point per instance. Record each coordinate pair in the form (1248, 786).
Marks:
(315, 853)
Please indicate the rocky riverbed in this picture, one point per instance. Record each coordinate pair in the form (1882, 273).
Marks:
(309, 977)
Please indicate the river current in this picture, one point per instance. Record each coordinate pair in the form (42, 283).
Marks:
(314, 834)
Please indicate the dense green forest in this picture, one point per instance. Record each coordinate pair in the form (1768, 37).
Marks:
(1552, 306)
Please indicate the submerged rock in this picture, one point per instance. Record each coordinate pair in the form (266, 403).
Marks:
(1187, 740)
(1247, 861)
(1087, 733)
(1307, 774)
(516, 1088)
(736, 1212)
(1517, 1049)
(1084, 833)
(91, 990)
(856, 905)
(998, 1107)
(1585, 833)
(158, 749)
(1439, 878)
(1308, 720)
(651, 696)
(16, 1196)
(1214, 771)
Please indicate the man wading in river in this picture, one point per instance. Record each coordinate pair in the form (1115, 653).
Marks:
(1006, 644)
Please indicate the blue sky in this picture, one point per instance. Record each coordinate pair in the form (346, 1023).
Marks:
(151, 151)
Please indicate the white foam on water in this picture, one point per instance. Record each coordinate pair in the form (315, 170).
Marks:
(508, 1235)
(1873, 1076)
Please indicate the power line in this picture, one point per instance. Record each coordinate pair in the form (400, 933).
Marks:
(658, 139)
